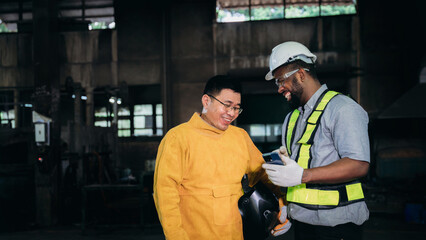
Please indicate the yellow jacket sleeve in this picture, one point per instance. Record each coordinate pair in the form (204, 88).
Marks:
(167, 178)
(255, 172)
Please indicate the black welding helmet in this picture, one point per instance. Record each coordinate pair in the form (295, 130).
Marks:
(259, 209)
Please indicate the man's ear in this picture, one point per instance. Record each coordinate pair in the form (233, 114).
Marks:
(302, 74)
(205, 100)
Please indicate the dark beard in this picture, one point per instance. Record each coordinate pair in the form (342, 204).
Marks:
(294, 102)
(295, 95)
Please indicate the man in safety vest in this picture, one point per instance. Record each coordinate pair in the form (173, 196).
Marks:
(325, 150)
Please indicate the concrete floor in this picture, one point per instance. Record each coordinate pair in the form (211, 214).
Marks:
(379, 227)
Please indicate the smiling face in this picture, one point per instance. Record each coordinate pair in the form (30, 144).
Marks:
(215, 113)
(290, 87)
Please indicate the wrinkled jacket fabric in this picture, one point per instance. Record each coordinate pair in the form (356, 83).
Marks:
(197, 180)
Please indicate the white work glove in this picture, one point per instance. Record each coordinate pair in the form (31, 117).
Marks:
(284, 224)
(288, 175)
(282, 150)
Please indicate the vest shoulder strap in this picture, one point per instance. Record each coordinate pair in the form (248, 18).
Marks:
(290, 129)
(311, 196)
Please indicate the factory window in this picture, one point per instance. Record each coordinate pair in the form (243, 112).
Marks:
(102, 117)
(96, 14)
(264, 133)
(4, 28)
(7, 109)
(123, 122)
(72, 14)
(8, 118)
(263, 123)
(14, 12)
(252, 10)
(138, 120)
(148, 120)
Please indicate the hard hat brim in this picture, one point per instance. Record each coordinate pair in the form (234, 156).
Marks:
(269, 76)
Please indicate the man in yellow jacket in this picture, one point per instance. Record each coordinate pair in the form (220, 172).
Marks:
(199, 167)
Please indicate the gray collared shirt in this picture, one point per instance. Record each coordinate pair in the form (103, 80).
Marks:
(342, 132)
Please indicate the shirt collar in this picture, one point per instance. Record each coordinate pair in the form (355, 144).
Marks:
(199, 123)
(311, 102)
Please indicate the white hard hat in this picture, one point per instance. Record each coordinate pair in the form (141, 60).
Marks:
(288, 52)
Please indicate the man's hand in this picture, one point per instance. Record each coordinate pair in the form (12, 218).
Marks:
(288, 175)
(284, 224)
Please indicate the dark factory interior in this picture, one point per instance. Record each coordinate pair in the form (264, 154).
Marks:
(88, 89)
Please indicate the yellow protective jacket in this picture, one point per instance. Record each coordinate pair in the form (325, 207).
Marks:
(197, 180)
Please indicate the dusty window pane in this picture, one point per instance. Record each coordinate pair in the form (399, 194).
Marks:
(124, 123)
(101, 112)
(273, 132)
(11, 114)
(101, 123)
(143, 109)
(124, 111)
(257, 130)
(159, 109)
(273, 129)
(159, 131)
(139, 121)
(301, 11)
(148, 122)
(233, 15)
(267, 13)
(240, 11)
(230, 11)
(159, 121)
(143, 132)
(333, 10)
(124, 133)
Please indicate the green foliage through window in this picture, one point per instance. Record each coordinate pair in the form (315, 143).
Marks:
(266, 13)
(101, 25)
(249, 13)
(4, 28)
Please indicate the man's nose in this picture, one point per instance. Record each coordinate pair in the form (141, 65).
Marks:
(231, 112)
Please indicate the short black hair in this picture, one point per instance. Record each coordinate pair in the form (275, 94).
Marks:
(215, 84)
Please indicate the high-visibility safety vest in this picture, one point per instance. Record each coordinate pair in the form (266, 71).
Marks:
(317, 196)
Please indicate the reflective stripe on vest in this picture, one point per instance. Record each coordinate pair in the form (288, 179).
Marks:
(291, 123)
(316, 196)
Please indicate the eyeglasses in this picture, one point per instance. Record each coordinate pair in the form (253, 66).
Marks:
(280, 81)
(227, 106)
